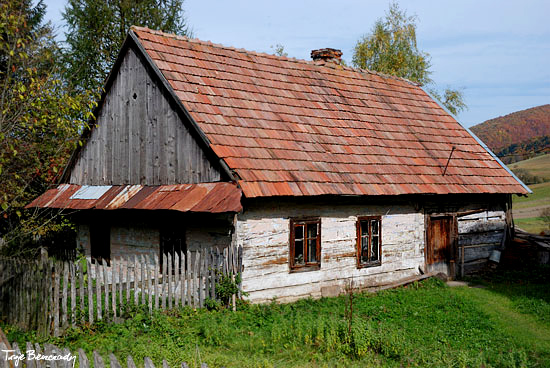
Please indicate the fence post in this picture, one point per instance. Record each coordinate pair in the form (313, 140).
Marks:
(98, 289)
(169, 279)
(90, 292)
(156, 281)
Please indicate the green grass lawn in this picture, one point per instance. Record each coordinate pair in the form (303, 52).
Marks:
(504, 324)
(533, 225)
(539, 197)
(538, 166)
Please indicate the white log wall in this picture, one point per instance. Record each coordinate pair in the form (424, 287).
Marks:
(264, 234)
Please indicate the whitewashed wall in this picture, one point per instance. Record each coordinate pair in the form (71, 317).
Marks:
(263, 231)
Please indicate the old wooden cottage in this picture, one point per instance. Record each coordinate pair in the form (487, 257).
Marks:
(323, 173)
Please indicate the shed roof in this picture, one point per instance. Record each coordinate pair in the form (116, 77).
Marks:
(204, 197)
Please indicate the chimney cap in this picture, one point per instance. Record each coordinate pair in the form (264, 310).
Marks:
(327, 54)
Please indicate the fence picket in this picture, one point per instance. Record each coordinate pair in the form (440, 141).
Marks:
(56, 300)
(98, 290)
(149, 285)
(136, 283)
(72, 275)
(169, 280)
(143, 290)
(120, 284)
(197, 277)
(163, 280)
(83, 359)
(90, 292)
(182, 279)
(105, 288)
(113, 361)
(188, 272)
(81, 291)
(127, 279)
(156, 281)
(113, 286)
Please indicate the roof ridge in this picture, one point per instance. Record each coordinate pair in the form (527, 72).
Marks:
(272, 56)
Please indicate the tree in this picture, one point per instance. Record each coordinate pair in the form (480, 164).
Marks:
(40, 119)
(97, 29)
(391, 48)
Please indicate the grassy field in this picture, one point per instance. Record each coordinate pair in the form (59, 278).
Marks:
(504, 324)
(538, 166)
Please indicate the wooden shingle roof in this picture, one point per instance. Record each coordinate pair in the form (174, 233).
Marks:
(291, 127)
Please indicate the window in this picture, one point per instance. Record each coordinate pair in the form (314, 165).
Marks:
(100, 243)
(369, 244)
(172, 242)
(305, 244)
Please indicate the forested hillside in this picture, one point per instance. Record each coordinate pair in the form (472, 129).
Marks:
(519, 135)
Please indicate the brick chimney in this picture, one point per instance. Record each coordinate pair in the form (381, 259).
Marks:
(327, 55)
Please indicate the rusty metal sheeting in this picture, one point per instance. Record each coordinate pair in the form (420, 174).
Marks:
(203, 197)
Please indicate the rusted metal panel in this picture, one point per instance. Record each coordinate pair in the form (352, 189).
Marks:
(204, 197)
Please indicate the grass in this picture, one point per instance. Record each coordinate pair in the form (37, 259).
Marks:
(538, 166)
(426, 324)
(533, 225)
(539, 197)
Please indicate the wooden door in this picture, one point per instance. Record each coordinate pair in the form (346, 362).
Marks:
(440, 239)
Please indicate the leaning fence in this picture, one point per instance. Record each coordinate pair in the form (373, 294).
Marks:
(49, 296)
(31, 355)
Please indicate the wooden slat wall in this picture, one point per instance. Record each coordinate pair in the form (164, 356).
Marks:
(139, 138)
(49, 296)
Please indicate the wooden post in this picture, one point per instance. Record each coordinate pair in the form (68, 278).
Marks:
(164, 276)
(127, 279)
(176, 278)
(149, 285)
(120, 284)
(198, 283)
(73, 293)
(113, 285)
(188, 277)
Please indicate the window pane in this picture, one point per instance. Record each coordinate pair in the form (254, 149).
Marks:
(364, 249)
(299, 232)
(312, 250)
(374, 250)
(298, 252)
(374, 227)
(311, 230)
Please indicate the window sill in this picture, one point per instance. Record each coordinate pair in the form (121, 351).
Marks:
(297, 269)
(370, 264)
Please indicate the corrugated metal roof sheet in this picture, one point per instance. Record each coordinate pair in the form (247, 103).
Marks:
(204, 197)
(293, 127)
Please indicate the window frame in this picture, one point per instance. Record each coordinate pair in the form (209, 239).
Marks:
(307, 266)
(361, 219)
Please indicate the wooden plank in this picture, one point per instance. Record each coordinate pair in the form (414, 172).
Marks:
(169, 280)
(56, 300)
(156, 281)
(106, 289)
(98, 361)
(130, 362)
(120, 284)
(149, 284)
(90, 293)
(176, 278)
(113, 361)
(196, 277)
(114, 265)
(164, 277)
(149, 363)
(82, 359)
(65, 271)
(143, 283)
(206, 273)
(73, 292)
(188, 282)
(212, 274)
(81, 292)
(182, 279)
(30, 363)
(136, 277)
(128, 279)
(98, 284)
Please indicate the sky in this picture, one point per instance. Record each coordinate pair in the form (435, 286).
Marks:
(496, 52)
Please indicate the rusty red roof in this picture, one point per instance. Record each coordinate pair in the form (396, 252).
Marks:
(291, 127)
(204, 197)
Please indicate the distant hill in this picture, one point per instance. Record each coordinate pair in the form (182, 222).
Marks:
(518, 135)
(534, 170)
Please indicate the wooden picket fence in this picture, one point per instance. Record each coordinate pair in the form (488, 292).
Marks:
(31, 351)
(49, 296)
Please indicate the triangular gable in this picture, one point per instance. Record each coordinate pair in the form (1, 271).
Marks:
(142, 134)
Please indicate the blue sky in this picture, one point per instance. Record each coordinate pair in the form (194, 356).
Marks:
(498, 52)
